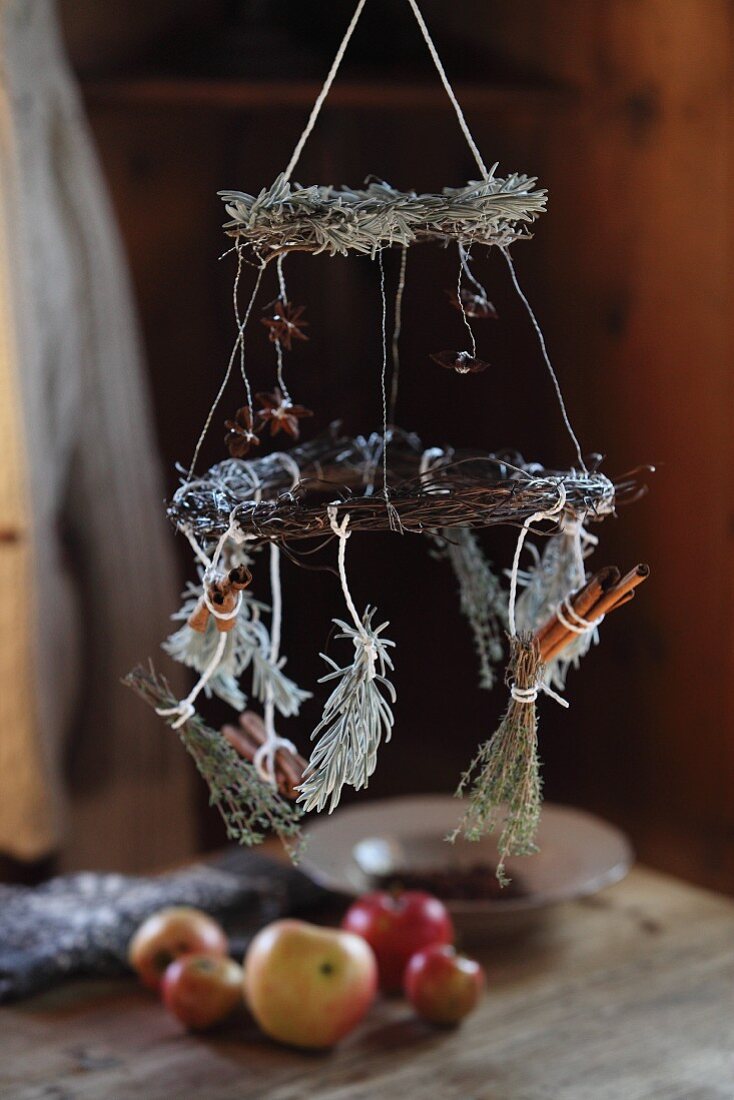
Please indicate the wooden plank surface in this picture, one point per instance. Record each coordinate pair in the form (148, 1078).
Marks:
(625, 996)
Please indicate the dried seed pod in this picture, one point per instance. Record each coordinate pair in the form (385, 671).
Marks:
(463, 362)
(474, 305)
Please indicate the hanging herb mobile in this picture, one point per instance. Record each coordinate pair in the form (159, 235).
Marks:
(334, 486)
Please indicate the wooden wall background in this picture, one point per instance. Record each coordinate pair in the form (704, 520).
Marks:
(623, 108)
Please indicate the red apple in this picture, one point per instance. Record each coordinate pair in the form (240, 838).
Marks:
(308, 986)
(169, 933)
(443, 987)
(396, 926)
(202, 990)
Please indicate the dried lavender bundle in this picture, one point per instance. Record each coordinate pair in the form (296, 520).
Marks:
(286, 217)
(357, 716)
(482, 599)
(502, 785)
(250, 808)
(248, 644)
(559, 572)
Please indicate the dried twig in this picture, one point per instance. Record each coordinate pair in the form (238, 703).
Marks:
(467, 490)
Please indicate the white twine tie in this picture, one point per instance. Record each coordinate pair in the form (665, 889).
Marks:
(537, 517)
(570, 618)
(264, 759)
(341, 532)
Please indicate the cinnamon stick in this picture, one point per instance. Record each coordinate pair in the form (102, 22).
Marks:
(553, 631)
(612, 597)
(248, 738)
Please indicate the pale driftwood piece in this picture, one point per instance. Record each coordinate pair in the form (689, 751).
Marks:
(625, 996)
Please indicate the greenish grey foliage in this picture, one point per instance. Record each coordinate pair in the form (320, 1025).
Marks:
(356, 718)
(482, 598)
(558, 572)
(248, 645)
(341, 220)
(502, 786)
(250, 808)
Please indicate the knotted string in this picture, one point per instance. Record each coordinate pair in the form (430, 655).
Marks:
(530, 694)
(341, 532)
(536, 517)
(264, 759)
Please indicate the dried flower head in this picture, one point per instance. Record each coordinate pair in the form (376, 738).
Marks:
(281, 413)
(473, 304)
(240, 436)
(286, 323)
(463, 362)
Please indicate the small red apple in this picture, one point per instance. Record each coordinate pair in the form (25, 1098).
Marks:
(202, 990)
(443, 987)
(308, 986)
(396, 926)
(169, 933)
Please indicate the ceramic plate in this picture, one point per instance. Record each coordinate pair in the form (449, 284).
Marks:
(578, 855)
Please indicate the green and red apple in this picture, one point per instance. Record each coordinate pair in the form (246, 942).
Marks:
(308, 986)
(170, 933)
(443, 986)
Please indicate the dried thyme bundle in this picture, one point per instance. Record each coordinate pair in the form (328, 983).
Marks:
(503, 781)
(250, 808)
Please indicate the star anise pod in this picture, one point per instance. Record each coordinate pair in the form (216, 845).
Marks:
(281, 413)
(474, 305)
(463, 362)
(286, 324)
(240, 436)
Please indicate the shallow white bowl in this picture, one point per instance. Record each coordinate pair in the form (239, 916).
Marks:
(578, 855)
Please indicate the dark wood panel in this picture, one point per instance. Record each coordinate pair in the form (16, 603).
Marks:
(630, 274)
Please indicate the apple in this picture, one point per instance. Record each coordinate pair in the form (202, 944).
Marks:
(179, 930)
(202, 990)
(308, 986)
(443, 987)
(396, 926)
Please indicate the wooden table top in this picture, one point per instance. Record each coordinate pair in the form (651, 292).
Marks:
(625, 996)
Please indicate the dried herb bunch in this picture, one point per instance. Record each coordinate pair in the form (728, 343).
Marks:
(502, 784)
(357, 716)
(288, 218)
(249, 807)
(247, 647)
(483, 600)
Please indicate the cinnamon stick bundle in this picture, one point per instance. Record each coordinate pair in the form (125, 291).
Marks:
(603, 593)
(248, 738)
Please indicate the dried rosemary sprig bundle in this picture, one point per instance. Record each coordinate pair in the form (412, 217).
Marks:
(357, 715)
(250, 808)
(483, 601)
(503, 781)
(338, 220)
